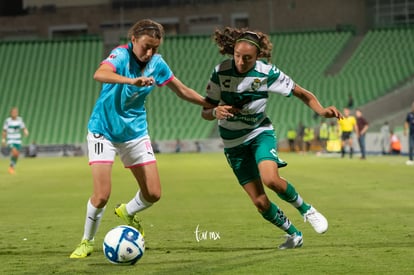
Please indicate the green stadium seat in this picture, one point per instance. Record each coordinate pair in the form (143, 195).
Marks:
(51, 81)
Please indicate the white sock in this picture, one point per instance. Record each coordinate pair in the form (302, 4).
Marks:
(92, 221)
(298, 202)
(137, 204)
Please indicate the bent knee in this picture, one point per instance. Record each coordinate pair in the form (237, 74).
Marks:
(262, 203)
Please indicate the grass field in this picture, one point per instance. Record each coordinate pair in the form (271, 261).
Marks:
(369, 205)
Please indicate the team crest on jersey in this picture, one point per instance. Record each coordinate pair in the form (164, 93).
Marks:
(256, 84)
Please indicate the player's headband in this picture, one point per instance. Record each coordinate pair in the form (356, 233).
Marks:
(156, 30)
(251, 37)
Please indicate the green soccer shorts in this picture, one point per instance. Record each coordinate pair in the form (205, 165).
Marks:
(17, 146)
(244, 158)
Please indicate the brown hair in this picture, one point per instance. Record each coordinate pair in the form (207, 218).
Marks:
(146, 27)
(227, 38)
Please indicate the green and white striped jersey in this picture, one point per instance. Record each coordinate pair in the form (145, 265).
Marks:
(13, 128)
(248, 92)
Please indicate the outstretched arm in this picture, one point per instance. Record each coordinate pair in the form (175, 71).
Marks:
(187, 93)
(310, 99)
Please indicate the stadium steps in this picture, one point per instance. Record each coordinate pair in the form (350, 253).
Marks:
(397, 104)
(383, 61)
(305, 58)
(344, 55)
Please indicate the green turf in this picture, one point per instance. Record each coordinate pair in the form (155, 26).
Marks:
(369, 205)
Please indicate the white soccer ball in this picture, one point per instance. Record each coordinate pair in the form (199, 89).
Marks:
(123, 245)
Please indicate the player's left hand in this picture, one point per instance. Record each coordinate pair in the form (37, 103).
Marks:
(226, 111)
(332, 111)
(143, 81)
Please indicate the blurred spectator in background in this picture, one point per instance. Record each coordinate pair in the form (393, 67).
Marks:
(31, 151)
(308, 137)
(300, 133)
(362, 125)
(178, 146)
(198, 146)
(323, 134)
(409, 127)
(385, 137)
(291, 136)
(334, 142)
(395, 144)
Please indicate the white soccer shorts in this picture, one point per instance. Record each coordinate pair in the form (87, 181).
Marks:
(136, 152)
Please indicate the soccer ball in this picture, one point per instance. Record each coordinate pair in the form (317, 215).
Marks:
(123, 245)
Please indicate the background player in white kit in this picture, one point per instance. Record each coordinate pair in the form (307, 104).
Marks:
(118, 125)
(239, 87)
(12, 136)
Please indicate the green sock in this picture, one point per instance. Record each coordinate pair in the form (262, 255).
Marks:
(276, 216)
(13, 161)
(292, 197)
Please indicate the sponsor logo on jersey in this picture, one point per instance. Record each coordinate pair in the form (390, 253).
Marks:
(226, 83)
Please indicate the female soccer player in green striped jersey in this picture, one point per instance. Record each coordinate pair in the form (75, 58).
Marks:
(239, 88)
(12, 136)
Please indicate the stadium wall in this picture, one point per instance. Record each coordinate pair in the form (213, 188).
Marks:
(266, 15)
(373, 147)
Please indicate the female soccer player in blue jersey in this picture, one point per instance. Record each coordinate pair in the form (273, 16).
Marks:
(118, 124)
(239, 88)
